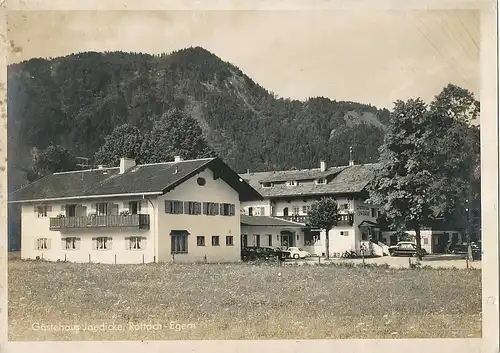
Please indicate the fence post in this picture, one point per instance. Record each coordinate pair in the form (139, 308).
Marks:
(64, 257)
(142, 258)
(89, 258)
(115, 259)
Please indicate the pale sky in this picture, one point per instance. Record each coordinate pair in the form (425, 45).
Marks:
(363, 56)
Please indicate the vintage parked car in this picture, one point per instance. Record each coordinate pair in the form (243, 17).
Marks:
(265, 253)
(297, 253)
(405, 248)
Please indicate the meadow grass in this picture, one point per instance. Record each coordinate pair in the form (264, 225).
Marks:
(240, 301)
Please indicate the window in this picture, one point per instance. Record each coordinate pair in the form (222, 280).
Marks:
(306, 209)
(134, 207)
(136, 243)
(215, 240)
(227, 209)
(426, 241)
(192, 207)
(250, 211)
(201, 181)
(346, 206)
(71, 243)
(211, 208)
(229, 240)
(179, 242)
(102, 209)
(374, 212)
(262, 211)
(70, 210)
(344, 233)
(42, 244)
(295, 210)
(43, 210)
(256, 238)
(321, 181)
(267, 185)
(291, 183)
(200, 240)
(103, 243)
(379, 213)
(269, 239)
(244, 241)
(173, 207)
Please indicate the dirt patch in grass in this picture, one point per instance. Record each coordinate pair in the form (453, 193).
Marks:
(239, 301)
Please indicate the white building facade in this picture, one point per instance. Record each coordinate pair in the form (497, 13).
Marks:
(182, 211)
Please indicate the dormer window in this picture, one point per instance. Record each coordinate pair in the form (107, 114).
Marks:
(267, 185)
(321, 181)
(292, 183)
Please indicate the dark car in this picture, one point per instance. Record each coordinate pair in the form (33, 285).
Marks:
(406, 249)
(253, 253)
(459, 249)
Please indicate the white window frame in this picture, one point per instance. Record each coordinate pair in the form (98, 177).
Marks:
(291, 183)
(42, 244)
(102, 243)
(321, 181)
(344, 233)
(105, 209)
(71, 240)
(135, 241)
(43, 210)
(229, 243)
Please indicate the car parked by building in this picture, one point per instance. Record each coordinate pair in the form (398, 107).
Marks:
(405, 248)
(296, 253)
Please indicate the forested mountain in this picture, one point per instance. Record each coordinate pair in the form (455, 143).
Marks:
(77, 100)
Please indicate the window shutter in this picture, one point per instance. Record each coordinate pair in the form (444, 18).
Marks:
(232, 210)
(49, 242)
(143, 242)
(198, 208)
(205, 208)
(221, 208)
(109, 243)
(186, 207)
(127, 243)
(77, 243)
(166, 206)
(94, 243)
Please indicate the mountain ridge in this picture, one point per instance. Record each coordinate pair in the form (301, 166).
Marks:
(76, 100)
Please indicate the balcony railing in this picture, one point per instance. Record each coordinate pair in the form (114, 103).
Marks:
(344, 219)
(140, 221)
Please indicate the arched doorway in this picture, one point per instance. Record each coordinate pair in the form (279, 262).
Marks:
(285, 212)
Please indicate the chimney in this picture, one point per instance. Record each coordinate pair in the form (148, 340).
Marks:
(100, 166)
(178, 159)
(351, 161)
(125, 164)
(322, 166)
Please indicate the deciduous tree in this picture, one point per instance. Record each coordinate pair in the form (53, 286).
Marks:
(324, 214)
(124, 141)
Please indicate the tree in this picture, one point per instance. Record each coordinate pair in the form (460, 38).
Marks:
(324, 214)
(174, 133)
(457, 153)
(52, 159)
(124, 141)
(403, 180)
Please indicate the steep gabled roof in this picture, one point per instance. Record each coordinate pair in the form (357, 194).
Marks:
(149, 179)
(343, 180)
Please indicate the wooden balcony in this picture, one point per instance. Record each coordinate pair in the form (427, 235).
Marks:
(140, 221)
(344, 219)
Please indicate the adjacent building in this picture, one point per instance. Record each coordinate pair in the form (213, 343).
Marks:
(185, 210)
(288, 195)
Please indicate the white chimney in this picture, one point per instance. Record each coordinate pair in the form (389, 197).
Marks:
(178, 159)
(351, 163)
(100, 166)
(126, 164)
(322, 165)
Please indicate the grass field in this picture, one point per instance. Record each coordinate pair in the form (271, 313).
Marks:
(239, 301)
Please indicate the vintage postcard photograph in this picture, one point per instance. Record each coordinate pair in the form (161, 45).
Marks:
(245, 175)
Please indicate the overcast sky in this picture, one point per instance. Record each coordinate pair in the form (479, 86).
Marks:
(363, 56)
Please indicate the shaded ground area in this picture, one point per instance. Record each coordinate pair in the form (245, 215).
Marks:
(239, 301)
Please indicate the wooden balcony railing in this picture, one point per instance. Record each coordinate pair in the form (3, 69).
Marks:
(140, 221)
(344, 219)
